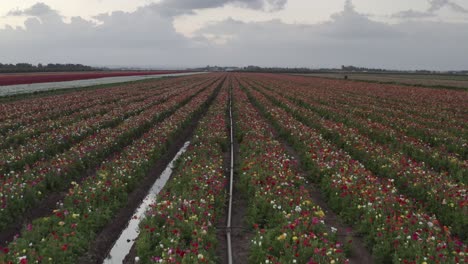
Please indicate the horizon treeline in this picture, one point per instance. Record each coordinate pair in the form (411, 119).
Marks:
(51, 67)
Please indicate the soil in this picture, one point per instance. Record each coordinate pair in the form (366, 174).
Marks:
(130, 258)
(240, 232)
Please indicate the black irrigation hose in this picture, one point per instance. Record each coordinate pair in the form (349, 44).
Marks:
(231, 180)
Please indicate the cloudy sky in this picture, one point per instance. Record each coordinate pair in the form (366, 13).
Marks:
(398, 34)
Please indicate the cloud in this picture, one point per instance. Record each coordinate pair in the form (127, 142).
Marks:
(38, 10)
(351, 24)
(410, 14)
(179, 7)
(147, 37)
(434, 7)
(348, 38)
(117, 38)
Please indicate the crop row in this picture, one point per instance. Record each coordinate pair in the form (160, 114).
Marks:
(103, 105)
(396, 118)
(90, 205)
(180, 225)
(68, 105)
(437, 157)
(289, 227)
(437, 104)
(26, 112)
(382, 128)
(26, 188)
(62, 138)
(394, 227)
(442, 195)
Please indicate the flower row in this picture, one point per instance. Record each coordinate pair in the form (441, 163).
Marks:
(58, 140)
(63, 137)
(180, 226)
(438, 134)
(66, 234)
(26, 188)
(26, 112)
(440, 157)
(442, 196)
(422, 105)
(289, 227)
(394, 227)
(32, 129)
(27, 124)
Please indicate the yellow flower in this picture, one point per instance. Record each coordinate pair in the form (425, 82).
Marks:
(193, 217)
(320, 213)
(61, 223)
(294, 238)
(282, 237)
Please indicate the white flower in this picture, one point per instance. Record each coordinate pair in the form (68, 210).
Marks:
(298, 209)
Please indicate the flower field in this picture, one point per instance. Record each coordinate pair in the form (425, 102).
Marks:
(391, 162)
(27, 78)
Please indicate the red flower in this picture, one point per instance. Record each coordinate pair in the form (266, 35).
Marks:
(65, 247)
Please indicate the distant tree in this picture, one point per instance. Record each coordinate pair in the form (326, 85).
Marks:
(51, 67)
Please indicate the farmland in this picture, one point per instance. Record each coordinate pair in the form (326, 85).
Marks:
(25, 84)
(276, 169)
(427, 80)
(28, 78)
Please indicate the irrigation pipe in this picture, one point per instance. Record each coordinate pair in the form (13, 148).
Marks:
(231, 180)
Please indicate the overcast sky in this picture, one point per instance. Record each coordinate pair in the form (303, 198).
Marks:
(398, 34)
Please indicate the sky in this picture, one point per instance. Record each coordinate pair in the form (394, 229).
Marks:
(398, 34)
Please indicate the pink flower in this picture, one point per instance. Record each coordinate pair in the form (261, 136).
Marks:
(315, 220)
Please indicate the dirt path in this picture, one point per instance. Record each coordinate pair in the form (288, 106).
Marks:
(240, 232)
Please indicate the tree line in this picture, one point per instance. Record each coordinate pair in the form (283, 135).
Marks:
(51, 67)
